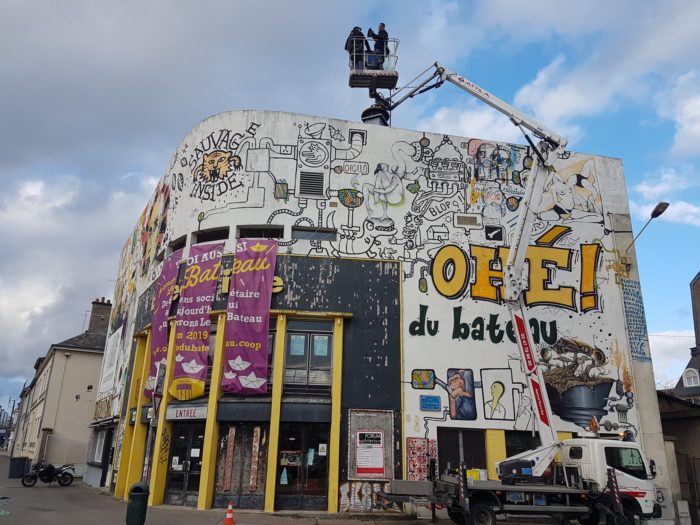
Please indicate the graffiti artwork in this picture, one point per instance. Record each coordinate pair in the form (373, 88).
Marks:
(446, 208)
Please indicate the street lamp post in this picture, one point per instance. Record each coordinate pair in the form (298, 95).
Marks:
(658, 210)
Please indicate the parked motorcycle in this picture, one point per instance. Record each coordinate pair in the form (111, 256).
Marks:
(48, 473)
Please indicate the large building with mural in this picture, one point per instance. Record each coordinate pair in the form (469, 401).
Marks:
(385, 341)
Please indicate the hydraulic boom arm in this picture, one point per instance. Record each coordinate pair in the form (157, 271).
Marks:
(550, 143)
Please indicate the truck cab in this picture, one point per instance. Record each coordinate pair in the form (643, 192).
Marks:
(586, 462)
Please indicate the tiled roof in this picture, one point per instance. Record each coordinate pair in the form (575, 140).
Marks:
(86, 340)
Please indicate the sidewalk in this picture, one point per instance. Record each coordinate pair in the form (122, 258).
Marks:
(82, 505)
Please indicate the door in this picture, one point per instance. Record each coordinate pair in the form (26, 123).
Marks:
(302, 469)
(185, 464)
(457, 445)
(106, 458)
(242, 465)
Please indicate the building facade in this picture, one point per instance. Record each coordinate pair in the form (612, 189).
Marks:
(388, 343)
(108, 410)
(61, 397)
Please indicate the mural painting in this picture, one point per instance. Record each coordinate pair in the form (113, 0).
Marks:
(446, 207)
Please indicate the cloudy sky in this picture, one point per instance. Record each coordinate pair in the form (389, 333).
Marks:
(95, 97)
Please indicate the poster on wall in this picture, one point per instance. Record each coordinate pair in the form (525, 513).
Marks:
(369, 456)
(192, 321)
(161, 307)
(248, 317)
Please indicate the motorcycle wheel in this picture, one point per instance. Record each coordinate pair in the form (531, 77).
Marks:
(29, 480)
(65, 479)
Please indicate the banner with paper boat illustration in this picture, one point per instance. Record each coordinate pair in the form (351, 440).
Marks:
(192, 321)
(248, 317)
(159, 325)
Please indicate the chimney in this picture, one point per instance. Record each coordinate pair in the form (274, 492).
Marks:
(99, 316)
(694, 351)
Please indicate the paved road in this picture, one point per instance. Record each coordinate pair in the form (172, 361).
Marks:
(82, 505)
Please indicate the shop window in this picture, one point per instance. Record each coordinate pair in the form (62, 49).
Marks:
(267, 231)
(215, 234)
(314, 234)
(690, 377)
(308, 360)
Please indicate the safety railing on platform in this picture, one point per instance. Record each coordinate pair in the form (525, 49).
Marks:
(363, 53)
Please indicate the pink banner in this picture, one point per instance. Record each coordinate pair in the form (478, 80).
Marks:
(248, 317)
(159, 324)
(192, 322)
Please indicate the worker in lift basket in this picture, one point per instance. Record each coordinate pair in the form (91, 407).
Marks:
(381, 38)
(356, 44)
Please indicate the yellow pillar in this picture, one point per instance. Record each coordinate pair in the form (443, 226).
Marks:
(336, 393)
(211, 430)
(164, 432)
(495, 450)
(276, 410)
(137, 446)
(132, 401)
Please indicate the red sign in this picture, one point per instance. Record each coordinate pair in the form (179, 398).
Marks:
(524, 343)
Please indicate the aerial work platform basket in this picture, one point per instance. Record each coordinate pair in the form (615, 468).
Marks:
(374, 70)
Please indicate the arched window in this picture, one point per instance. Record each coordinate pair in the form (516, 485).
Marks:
(691, 378)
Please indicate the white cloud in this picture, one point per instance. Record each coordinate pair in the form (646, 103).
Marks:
(681, 103)
(621, 65)
(670, 352)
(679, 212)
(472, 119)
(60, 251)
(665, 182)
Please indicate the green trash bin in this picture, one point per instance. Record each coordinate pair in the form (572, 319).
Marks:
(138, 504)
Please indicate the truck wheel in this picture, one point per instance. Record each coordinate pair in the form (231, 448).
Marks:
(592, 519)
(630, 517)
(482, 514)
(456, 515)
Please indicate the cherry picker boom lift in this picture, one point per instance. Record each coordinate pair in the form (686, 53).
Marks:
(590, 487)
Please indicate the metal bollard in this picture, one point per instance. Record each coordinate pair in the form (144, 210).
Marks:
(138, 504)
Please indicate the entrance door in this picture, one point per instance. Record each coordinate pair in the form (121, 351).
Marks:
(185, 464)
(302, 469)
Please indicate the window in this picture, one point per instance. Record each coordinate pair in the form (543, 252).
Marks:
(314, 234)
(308, 360)
(690, 377)
(518, 441)
(627, 460)
(266, 231)
(99, 447)
(576, 452)
(215, 234)
(177, 244)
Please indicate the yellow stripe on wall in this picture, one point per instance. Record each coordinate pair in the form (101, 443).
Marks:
(495, 450)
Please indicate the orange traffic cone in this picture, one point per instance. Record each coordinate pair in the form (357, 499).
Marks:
(228, 520)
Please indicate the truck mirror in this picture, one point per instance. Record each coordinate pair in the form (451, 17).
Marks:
(652, 468)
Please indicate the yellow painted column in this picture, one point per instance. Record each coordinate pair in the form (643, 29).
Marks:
(336, 394)
(211, 430)
(562, 436)
(164, 432)
(495, 450)
(276, 411)
(134, 396)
